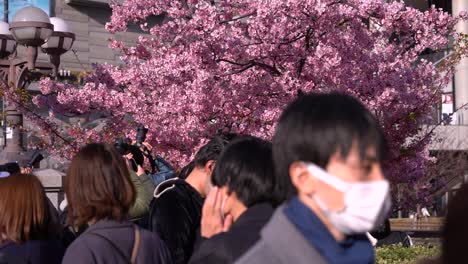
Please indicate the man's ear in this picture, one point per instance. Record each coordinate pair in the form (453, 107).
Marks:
(225, 191)
(209, 166)
(301, 178)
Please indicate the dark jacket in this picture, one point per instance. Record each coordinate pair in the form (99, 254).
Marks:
(112, 242)
(165, 171)
(175, 215)
(281, 243)
(243, 234)
(32, 252)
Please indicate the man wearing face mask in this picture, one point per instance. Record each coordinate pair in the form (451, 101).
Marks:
(329, 149)
(175, 210)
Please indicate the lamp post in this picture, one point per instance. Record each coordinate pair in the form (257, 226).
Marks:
(60, 42)
(31, 27)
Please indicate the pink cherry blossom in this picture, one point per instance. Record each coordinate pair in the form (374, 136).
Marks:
(233, 65)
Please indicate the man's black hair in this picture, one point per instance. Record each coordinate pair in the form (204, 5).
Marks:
(316, 126)
(212, 149)
(246, 168)
(186, 170)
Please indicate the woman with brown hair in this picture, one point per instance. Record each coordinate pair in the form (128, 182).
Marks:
(27, 230)
(100, 193)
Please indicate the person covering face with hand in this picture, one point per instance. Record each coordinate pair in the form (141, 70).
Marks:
(328, 149)
(214, 219)
(240, 203)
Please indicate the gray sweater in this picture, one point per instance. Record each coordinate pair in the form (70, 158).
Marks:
(281, 243)
(112, 242)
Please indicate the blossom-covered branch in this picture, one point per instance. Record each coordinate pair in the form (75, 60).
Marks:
(232, 66)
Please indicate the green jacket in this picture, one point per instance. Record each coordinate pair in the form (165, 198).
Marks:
(144, 194)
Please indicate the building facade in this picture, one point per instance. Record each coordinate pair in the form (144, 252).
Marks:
(450, 144)
(87, 19)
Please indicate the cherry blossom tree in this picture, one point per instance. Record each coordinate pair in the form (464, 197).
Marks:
(233, 65)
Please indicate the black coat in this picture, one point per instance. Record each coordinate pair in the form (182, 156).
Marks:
(175, 215)
(32, 252)
(229, 246)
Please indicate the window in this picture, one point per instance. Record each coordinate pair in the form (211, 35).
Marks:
(448, 116)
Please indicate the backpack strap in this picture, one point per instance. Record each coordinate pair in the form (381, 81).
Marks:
(136, 245)
(122, 255)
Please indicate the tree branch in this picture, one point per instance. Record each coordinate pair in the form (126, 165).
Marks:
(39, 117)
(238, 18)
(247, 65)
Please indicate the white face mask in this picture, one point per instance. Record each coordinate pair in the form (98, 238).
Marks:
(366, 203)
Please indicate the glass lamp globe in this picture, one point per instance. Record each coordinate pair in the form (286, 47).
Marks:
(31, 26)
(7, 42)
(61, 39)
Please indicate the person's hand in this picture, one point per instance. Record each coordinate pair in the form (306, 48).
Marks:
(148, 146)
(140, 171)
(127, 159)
(129, 156)
(26, 170)
(213, 221)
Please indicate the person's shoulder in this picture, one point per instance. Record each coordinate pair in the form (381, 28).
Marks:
(51, 245)
(148, 236)
(258, 253)
(153, 244)
(10, 248)
(32, 245)
(169, 200)
(217, 241)
(81, 241)
(213, 250)
(133, 176)
(80, 248)
(169, 194)
(92, 239)
(172, 191)
(168, 188)
(7, 255)
(173, 205)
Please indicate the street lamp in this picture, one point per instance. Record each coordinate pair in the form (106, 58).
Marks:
(31, 27)
(60, 42)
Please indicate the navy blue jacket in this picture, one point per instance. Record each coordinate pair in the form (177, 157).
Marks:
(165, 171)
(32, 252)
(228, 246)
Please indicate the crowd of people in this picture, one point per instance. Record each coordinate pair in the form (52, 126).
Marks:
(311, 195)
